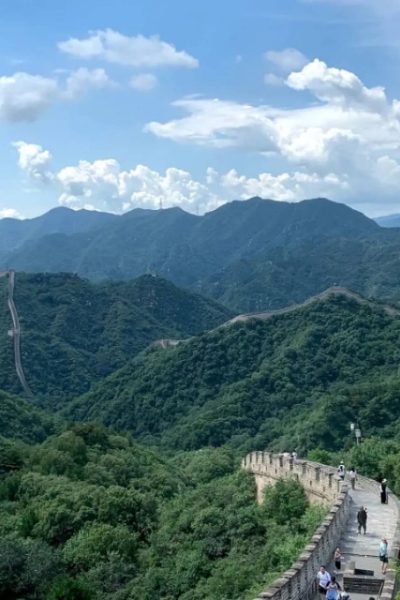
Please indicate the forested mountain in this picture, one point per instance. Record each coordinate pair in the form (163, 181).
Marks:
(251, 255)
(21, 420)
(75, 332)
(389, 220)
(289, 275)
(297, 378)
(16, 232)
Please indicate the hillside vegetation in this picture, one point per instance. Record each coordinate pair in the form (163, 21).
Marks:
(75, 332)
(250, 255)
(297, 379)
(91, 515)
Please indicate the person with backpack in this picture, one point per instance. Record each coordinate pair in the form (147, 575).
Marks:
(362, 519)
(333, 590)
(341, 471)
(323, 579)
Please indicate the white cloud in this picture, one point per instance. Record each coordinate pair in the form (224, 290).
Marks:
(104, 185)
(220, 124)
(134, 51)
(79, 82)
(349, 128)
(338, 86)
(23, 97)
(34, 160)
(9, 213)
(144, 82)
(289, 59)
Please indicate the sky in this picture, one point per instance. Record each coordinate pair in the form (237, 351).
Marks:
(116, 105)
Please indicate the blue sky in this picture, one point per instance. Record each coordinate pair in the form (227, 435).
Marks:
(111, 106)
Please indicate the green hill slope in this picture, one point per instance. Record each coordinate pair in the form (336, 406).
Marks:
(288, 275)
(20, 420)
(294, 378)
(75, 332)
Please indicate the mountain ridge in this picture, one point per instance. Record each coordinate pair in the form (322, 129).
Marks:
(212, 254)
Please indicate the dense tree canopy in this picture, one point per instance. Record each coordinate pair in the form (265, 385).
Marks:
(90, 514)
(297, 379)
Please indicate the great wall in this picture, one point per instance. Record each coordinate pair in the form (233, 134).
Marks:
(338, 529)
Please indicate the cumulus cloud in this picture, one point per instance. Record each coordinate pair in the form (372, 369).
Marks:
(144, 82)
(79, 82)
(289, 59)
(105, 185)
(23, 97)
(133, 51)
(34, 160)
(338, 86)
(9, 213)
(348, 128)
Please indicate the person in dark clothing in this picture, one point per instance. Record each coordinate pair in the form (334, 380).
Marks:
(362, 519)
(337, 557)
(383, 490)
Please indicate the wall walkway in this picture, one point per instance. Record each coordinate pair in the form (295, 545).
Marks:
(339, 527)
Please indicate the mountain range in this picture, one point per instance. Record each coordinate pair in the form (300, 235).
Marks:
(249, 255)
(298, 378)
(75, 332)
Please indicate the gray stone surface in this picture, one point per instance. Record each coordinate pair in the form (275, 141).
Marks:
(363, 549)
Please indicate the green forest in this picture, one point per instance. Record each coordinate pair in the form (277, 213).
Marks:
(273, 384)
(90, 514)
(133, 490)
(75, 332)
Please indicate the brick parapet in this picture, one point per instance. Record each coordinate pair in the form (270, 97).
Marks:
(321, 485)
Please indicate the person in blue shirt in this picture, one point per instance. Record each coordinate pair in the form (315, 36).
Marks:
(383, 555)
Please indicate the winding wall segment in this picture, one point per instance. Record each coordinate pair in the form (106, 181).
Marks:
(16, 331)
(323, 486)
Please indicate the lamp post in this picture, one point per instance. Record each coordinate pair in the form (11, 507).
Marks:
(357, 432)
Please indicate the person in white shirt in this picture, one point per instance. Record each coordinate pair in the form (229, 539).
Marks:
(341, 471)
(323, 579)
(352, 476)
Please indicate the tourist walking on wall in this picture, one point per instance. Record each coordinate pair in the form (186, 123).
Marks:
(323, 579)
(341, 471)
(362, 519)
(337, 557)
(333, 589)
(383, 555)
(352, 476)
(383, 490)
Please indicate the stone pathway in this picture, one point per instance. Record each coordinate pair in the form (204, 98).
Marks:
(381, 523)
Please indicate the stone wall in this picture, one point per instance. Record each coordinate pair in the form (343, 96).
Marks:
(321, 485)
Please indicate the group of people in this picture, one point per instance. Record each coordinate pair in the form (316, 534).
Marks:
(329, 588)
(351, 474)
(292, 455)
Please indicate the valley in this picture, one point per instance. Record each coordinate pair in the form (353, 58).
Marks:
(120, 476)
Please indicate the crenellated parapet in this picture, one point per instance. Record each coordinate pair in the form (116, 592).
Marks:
(321, 485)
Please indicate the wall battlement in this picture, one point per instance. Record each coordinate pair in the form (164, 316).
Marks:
(321, 485)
